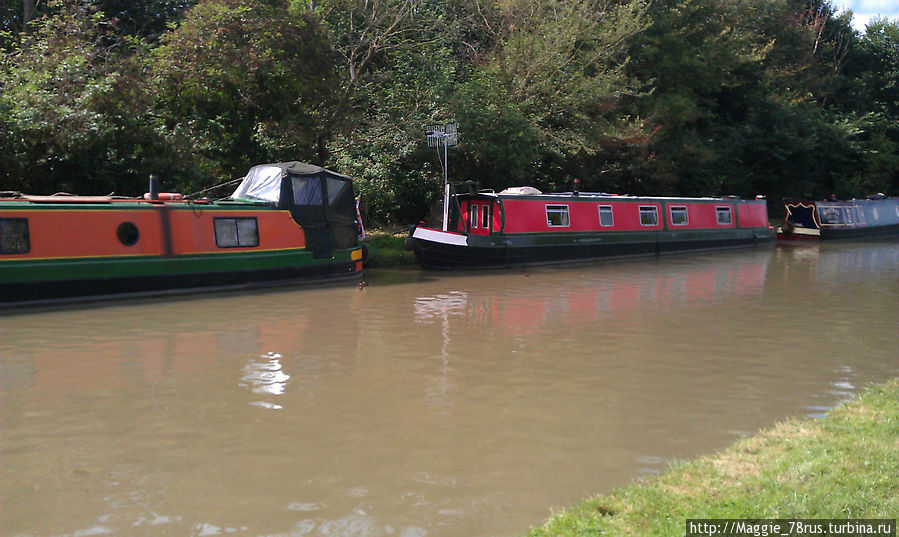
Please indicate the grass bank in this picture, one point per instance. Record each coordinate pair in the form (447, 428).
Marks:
(386, 248)
(845, 465)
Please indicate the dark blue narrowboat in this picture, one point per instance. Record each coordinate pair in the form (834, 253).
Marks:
(839, 219)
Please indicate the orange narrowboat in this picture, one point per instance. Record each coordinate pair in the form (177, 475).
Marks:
(288, 221)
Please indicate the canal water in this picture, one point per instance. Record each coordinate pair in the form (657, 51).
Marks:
(423, 404)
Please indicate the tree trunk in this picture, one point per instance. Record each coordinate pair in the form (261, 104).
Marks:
(27, 14)
(322, 149)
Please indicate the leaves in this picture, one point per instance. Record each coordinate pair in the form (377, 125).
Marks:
(779, 97)
(243, 89)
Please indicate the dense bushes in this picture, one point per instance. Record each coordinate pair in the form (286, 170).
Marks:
(695, 97)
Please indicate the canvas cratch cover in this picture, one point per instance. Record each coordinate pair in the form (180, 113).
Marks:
(321, 201)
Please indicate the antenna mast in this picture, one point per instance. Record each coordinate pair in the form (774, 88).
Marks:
(448, 137)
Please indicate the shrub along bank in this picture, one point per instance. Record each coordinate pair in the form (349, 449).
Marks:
(386, 248)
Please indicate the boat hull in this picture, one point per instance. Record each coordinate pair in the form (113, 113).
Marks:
(441, 250)
(77, 279)
(71, 250)
(435, 255)
(873, 231)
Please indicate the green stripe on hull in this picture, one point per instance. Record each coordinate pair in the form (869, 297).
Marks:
(575, 238)
(90, 268)
(560, 239)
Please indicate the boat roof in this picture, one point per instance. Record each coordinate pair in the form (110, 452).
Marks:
(276, 170)
(533, 193)
(25, 199)
(302, 168)
(263, 182)
(808, 202)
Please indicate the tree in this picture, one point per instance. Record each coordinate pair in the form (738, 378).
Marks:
(70, 111)
(147, 19)
(875, 97)
(245, 82)
(531, 85)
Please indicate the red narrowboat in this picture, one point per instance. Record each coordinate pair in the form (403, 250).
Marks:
(285, 222)
(522, 225)
(839, 219)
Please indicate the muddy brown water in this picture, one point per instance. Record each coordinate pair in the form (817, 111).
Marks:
(423, 404)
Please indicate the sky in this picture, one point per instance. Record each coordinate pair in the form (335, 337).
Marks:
(865, 10)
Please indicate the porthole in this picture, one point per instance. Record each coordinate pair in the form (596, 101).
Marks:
(128, 233)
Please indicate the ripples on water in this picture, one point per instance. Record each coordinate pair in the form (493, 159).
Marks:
(423, 404)
(264, 376)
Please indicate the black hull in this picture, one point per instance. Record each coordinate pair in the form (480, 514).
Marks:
(67, 291)
(858, 232)
(441, 256)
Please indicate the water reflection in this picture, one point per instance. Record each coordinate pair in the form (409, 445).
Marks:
(265, 376)
(442, 406)
(595, 297)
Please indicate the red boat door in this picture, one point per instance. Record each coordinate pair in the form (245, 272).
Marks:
(480, 217)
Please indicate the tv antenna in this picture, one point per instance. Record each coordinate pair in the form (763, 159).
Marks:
(447, 136)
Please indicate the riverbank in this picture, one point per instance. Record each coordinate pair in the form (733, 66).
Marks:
(845, 466)
(387, 248)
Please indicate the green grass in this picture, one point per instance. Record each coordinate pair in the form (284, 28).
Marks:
(386, 248)
(845, 465)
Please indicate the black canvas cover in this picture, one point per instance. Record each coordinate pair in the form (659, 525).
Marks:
(321, 201)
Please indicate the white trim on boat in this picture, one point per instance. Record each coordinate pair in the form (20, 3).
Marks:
(443, 237)
(801, 231)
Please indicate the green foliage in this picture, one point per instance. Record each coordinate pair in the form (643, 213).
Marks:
(563, 63)
(397, 178)
(67, 109)
(689, 97)
(758, 98)
(148, 19)
(241, 89)
(387, 250)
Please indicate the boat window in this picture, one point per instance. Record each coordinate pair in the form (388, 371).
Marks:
(679, 216)
(876, 214)
(557, 216)
(335, 187)
(830, 215)
(235, 232)
(606, 218)
(847, 211)
(307, 191)
(725, 218)
(473, 216)
(14, 237)
(649, 216)
(262, 183)
(485, 216)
